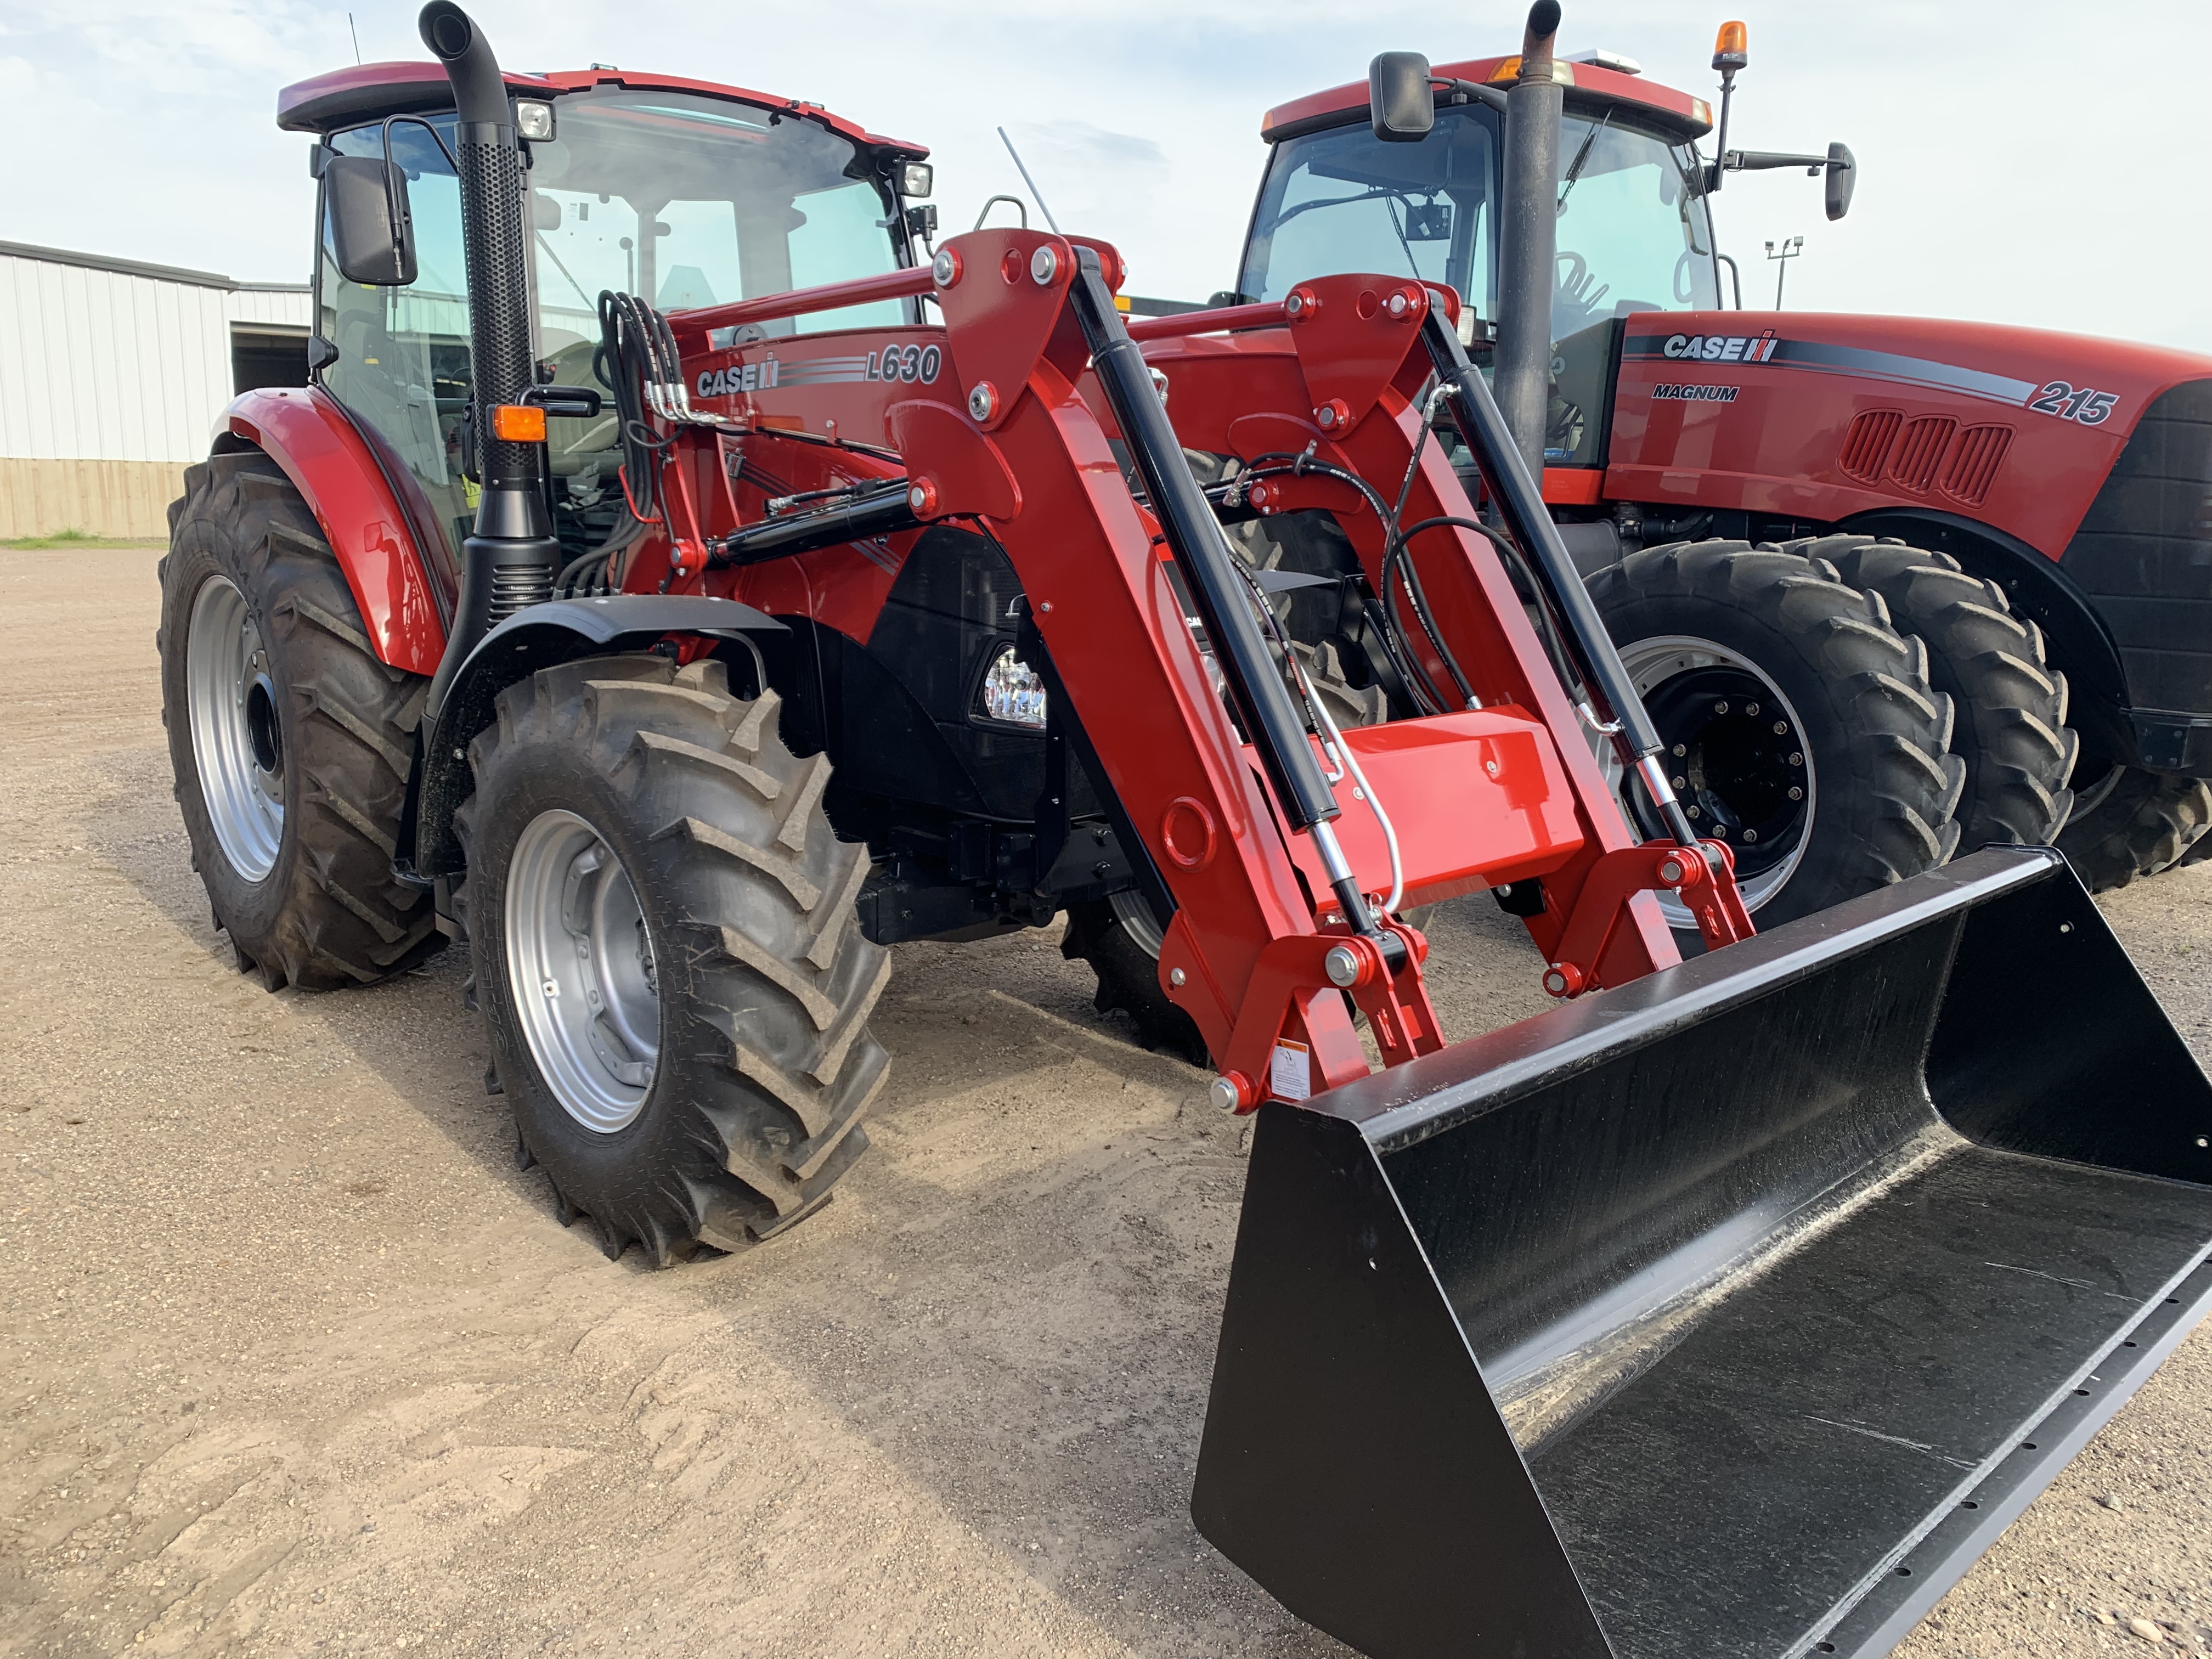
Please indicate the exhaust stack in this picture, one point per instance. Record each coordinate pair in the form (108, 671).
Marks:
(511, 560)
(1529, 245)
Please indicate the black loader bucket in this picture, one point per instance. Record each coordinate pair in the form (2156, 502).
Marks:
(1730, 1315)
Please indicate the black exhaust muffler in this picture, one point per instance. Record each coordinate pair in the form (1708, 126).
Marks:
(1729, 1315)
(511, 560)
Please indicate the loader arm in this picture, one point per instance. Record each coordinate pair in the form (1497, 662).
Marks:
(1273, 870)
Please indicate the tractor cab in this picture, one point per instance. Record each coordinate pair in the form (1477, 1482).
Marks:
(1634, 232)
(685, 193)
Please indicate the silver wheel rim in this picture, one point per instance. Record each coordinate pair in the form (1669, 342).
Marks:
(238, 743)
(581, 969)
(1135, 912)
(1652, 663)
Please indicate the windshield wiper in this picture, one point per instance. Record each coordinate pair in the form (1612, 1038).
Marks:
(1377, 193)
(1582, 155)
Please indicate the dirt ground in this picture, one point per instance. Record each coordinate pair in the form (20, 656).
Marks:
(297, 1362)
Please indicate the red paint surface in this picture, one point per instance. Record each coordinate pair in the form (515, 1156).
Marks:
(421, 79)
(305, 433)
(1779, 446)
(1690, 116)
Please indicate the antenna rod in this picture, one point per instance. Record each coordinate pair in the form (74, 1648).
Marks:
(1035, 194)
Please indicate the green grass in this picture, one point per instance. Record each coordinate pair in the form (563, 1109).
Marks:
(68, 538)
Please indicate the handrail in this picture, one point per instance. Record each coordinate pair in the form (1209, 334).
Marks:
(909, 283)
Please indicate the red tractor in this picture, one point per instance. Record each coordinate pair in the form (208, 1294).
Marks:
(1867, 571)
(675, 589)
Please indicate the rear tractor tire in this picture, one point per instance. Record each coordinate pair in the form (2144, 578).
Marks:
(1801, 728)
(289, 739)
(2012, 732)
(2133, 823)
(668, 960)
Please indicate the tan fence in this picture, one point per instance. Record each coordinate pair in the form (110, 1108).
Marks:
(101, 498)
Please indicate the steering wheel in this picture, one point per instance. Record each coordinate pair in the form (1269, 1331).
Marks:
(1685, 284)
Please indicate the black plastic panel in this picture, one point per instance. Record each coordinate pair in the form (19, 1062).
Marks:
(2144, 553)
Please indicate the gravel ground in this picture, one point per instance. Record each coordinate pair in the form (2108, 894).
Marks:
(294, 1360)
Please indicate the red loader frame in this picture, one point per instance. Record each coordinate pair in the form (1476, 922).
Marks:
(1009, 434)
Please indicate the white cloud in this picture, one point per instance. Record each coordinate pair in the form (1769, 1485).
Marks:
(2017, 164)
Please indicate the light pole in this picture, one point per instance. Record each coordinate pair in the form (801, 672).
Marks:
(1791, 248)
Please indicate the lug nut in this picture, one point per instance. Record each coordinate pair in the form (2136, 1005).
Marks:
(1720, 708)
(1342, 966)
(1679, 750)
(1795, 794)
(1797, 757)
(1780, 729)
(1750, 836)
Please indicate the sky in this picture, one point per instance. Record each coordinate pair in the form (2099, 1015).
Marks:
(1996, 179)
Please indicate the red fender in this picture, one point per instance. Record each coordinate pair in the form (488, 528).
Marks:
(304, 432)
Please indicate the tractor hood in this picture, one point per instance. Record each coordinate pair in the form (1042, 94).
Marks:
(1823, 416)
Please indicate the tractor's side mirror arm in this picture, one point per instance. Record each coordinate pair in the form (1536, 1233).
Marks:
(1839, 164)
(370, 222)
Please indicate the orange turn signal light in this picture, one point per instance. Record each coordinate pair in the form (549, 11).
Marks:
(518, 423)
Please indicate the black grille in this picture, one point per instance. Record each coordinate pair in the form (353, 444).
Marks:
(2144, 553)
(517, 587)
(499, 296)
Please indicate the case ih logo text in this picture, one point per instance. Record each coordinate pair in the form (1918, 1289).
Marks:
(729, 382)
(1722, 347)
(1695, 394)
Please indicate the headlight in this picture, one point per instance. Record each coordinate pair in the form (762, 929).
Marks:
(915, 180)
(533, 121)
(1011, 694)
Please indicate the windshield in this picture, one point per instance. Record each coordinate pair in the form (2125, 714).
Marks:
(689, 201)
(1634, 235)
(1338, 201)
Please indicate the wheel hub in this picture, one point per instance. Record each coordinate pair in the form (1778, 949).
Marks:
(234, 714)
(1737, 754)
(581, 970)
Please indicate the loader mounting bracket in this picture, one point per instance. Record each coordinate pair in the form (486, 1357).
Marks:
(1707, 886)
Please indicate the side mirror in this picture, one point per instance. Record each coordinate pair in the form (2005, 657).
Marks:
(1400, 105)
(1843, 175)
(369, 220)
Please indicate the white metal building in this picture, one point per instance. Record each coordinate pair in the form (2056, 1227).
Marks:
(112, 376)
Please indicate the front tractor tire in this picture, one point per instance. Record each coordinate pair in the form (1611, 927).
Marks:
(1801, 728)
(667, 956)
(289, 741)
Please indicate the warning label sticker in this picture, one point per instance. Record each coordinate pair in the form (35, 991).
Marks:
(1289, 1073)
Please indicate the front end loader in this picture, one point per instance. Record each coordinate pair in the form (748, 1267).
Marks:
(1731, 1307)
